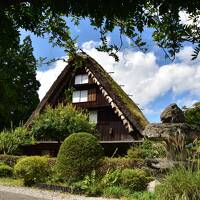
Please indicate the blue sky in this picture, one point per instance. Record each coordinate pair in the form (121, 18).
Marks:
(153, 81)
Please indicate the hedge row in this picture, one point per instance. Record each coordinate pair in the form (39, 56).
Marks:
(12, 160)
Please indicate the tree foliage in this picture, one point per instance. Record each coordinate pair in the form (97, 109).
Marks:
(18, 84)
(192, 115)
(58, 123)
(131, 17)
(11, 140)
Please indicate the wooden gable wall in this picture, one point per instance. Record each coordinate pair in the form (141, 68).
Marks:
(109, 125)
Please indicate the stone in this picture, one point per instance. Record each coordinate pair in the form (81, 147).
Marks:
(172, 114)
(152, 185)
(175, 137)
(158, 131)
(160, 163)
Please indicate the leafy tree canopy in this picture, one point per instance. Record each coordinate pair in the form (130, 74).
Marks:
(58, 123)
(11, 140)
(132, 17)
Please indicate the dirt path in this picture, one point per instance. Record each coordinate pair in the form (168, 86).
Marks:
(23, 193)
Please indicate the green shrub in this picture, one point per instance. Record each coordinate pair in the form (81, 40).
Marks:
(192, 115)
(147, 149)
(135, 153)
(33, 169)
(118, 163)
(93, 184)
(134, 179)
(11, 140)
(181, 184)
(58, 123)
(116, 192)
(79, 154)
(9, 159)
(5, 170)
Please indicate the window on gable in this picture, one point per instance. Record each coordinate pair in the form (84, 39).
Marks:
(83, 96)
(81, 79)
(80, 96)
(93, 116)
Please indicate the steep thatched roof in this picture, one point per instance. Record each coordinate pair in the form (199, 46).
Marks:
(121, 103)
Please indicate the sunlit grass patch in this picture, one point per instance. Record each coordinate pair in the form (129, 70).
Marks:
(11, 182)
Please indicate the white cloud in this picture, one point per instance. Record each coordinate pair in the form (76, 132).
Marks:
(47, 78)
(187, 101)
(185, 54)
(142, 76)
(188, 19)
(178, 78)
(89, 45)
(145, 80)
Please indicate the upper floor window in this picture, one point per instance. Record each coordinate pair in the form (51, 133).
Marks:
(84, 96)
(81, 79)
(80, 96)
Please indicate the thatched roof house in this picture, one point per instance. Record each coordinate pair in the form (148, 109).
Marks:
(118, 118)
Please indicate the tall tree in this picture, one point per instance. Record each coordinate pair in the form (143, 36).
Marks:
(18, 84)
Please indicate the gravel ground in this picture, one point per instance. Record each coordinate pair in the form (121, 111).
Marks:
(23, 193)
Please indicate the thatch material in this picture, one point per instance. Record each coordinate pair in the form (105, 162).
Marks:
(123, 106)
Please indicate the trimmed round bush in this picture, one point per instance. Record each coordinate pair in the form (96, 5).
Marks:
(33, 169)
(5, 170)
(134, 179)
(78, 156)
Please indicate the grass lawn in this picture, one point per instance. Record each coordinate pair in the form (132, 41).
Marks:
(11, 182)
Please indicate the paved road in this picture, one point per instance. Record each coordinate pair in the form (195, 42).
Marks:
(25, 193)
(14, 196)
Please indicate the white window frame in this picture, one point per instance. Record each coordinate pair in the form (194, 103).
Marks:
(81, 79)
(76, 97)
(83, 95)
(80, 96)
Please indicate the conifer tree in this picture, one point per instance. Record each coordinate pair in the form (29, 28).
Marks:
(18, 84)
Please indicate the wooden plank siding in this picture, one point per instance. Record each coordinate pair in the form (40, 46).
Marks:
(110, 126)
(92, 94)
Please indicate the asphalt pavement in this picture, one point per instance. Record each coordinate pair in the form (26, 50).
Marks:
(14, 196)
